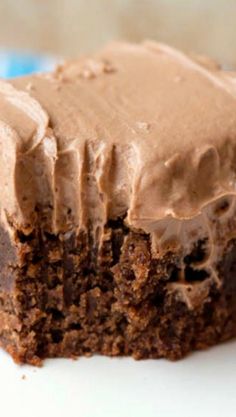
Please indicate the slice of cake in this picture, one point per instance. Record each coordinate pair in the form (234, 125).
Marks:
(118, 209)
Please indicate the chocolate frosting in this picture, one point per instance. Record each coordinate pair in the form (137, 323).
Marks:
(143, 131)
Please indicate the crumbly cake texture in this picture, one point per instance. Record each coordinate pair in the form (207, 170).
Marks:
(118, 209)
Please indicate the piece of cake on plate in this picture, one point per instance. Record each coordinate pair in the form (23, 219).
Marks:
(118, 214)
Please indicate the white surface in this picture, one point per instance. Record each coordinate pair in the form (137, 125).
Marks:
(202, 385)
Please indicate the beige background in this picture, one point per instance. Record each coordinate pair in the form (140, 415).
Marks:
(68, 27)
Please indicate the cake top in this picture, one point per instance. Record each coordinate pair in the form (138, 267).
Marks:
(142, 130)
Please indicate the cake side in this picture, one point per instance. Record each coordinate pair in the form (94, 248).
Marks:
(67, 297)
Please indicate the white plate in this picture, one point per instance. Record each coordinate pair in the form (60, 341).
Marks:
(202, 385)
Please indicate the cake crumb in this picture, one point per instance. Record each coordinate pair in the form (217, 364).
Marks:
(178, 79)
(143, 125)
(23, 377)
(29, 86)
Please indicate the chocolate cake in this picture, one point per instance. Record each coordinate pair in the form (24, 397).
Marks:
(118, 208)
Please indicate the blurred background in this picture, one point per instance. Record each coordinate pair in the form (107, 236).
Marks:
(70, 27)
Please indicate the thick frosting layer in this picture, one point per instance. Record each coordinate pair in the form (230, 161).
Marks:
(137, 130)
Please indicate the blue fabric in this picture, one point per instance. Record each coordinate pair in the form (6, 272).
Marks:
(13, 64)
